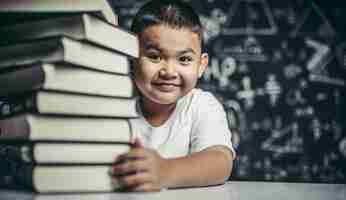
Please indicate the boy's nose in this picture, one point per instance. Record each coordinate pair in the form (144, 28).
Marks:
(168, 71)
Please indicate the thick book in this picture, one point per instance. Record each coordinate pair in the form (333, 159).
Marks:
(56, 178)
(35, 127)
(62, 152)
(63, 50)
(65, 77)
(58, 103)
(59, 6)
(79, 26)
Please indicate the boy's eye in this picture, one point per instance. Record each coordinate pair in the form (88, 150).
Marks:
(156, 58)
(185, 60)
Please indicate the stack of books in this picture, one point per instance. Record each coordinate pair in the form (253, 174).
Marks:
(66, 96)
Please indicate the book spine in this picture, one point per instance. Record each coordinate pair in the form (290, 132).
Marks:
(11, 106)
(14, 174)
(38, 50)
(21, 153)
(17, 127)
(21, 80)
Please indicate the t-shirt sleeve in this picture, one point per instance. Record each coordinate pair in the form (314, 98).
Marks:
(210, 126)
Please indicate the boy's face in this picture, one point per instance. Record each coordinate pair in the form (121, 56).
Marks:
(170, 63)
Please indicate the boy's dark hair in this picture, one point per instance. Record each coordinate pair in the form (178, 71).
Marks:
(173, 13)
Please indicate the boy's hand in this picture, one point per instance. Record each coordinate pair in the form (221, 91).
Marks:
(140, 169)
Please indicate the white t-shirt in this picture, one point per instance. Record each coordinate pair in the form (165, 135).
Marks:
(198, 121)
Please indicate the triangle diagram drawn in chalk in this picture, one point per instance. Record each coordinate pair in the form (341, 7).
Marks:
(313, 22)
(250, 17)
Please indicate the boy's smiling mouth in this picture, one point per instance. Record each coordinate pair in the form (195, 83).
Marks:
(166, 86)
(166, 83)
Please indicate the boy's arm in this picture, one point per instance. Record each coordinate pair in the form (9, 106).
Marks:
(210, 166)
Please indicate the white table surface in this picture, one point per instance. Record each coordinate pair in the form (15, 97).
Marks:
(233, 190)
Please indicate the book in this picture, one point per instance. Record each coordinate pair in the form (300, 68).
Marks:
(59, 6)
(79, 26)
(55, 103)
(62, 152)
(35, 127)
(63, 50)
(56, 178)
(64, 77)
(7, 194)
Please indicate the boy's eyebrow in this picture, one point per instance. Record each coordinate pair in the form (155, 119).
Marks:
(188, 50)
(154, 46)
(149, 45)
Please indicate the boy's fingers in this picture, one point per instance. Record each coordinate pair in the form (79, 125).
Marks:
(130, 166)
(133, 180)
(145, 187)
(135, 153)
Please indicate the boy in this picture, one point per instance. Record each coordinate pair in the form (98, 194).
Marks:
(183, 136)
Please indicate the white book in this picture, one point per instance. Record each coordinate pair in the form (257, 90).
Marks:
(79, 26)
(58, 103)
(35, 127)
(62, 152)
(63, 50)
(59, 6)
(59, 178)
(65, 77)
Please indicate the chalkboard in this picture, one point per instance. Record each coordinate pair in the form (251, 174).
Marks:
(279, 68)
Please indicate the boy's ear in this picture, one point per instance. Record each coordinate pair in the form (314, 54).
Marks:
(204, 64)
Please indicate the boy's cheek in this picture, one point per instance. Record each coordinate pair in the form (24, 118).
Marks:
(148, 67)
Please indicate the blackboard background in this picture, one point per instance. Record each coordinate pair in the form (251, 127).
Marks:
(279, 69)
